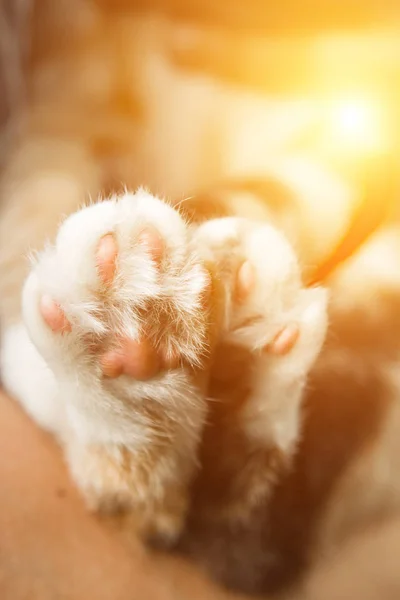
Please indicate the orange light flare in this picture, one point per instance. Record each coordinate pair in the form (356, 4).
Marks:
(356, 126)
(350, 133)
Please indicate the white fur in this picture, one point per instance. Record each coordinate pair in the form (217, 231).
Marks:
(27, 377)
(98, 411)
(271, 415)
(63, 387)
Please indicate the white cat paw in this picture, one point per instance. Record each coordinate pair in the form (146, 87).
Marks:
(117, 309)
(268, 309)
(119, 282)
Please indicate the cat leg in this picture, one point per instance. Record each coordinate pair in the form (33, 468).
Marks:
(122, 275)
(273, 332)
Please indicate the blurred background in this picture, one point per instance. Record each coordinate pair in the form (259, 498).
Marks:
(177, 95)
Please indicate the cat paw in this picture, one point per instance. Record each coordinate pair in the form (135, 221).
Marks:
(269, 310)
(275, 314)
(120, 292)
(117, 308)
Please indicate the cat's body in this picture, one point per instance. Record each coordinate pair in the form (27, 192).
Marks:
(343, 472)
(259, 512)
(133, 443)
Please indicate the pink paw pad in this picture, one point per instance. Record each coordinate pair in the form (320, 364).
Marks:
(106, 257)
(53, 315)
(150, 238)
(246, 279)
(284, 341)
(107, 252)
(135, 359)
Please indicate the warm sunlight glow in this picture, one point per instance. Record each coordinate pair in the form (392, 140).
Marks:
(356, 124)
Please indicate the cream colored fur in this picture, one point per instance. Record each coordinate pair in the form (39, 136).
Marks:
(132, 444)
(193, 131)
